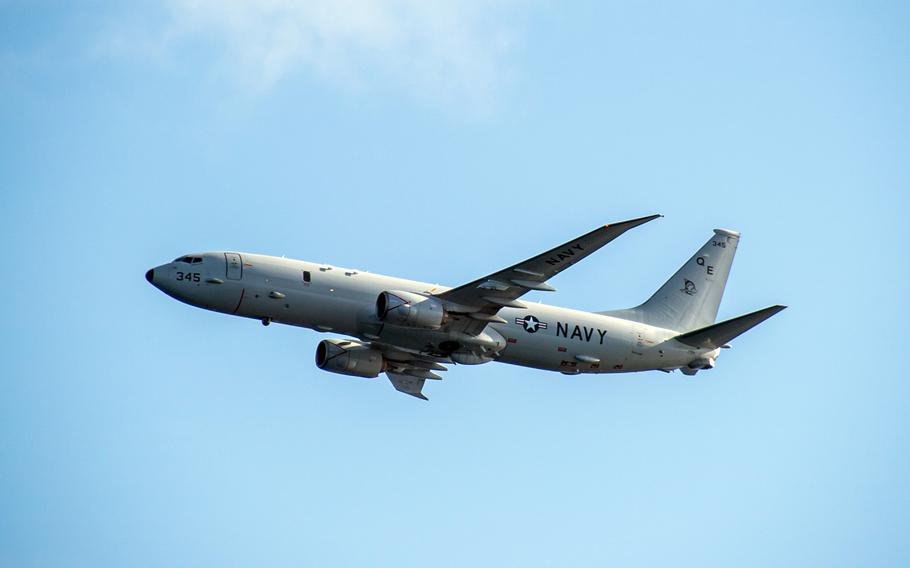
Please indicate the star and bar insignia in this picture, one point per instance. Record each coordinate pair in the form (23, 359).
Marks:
(531, 323)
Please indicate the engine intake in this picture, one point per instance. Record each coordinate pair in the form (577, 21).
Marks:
(348, 357)
(410, 309)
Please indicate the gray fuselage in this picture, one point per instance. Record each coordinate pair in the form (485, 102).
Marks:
(340, 300)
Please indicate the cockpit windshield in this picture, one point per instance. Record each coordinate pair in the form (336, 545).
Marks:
(189, 259)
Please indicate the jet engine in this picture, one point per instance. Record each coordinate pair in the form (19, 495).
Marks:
(702, 363)
(348, 357)
(410, 309)
(697, 364)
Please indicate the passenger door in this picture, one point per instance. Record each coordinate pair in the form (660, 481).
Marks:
(234, 266)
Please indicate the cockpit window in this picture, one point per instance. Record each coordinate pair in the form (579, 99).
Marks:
(197, 259)
(189, 259)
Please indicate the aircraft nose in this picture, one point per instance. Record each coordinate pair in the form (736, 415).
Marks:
(150, 276)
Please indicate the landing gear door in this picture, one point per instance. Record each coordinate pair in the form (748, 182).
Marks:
(234, 266)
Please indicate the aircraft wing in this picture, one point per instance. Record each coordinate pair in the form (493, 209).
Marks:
(407, 384)
(408, 371)
(482, 298)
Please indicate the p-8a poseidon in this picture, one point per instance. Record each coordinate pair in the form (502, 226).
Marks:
(410, 330)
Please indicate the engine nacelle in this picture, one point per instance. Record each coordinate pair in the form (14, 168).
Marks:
(410, 309)
(348, 357)
(702, 363)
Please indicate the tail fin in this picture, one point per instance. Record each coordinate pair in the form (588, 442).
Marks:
(690, 298)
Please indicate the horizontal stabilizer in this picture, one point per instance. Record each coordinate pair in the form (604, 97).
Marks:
(717, 335)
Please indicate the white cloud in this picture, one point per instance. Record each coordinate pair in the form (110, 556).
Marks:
(446, 51)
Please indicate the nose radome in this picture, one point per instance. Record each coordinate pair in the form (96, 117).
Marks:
(150, 276)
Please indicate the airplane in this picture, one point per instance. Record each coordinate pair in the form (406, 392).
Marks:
(410, 330)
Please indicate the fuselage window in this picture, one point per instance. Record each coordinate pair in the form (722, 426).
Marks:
(306, 275)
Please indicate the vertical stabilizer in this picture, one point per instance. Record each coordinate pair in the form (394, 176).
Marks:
(690, 298)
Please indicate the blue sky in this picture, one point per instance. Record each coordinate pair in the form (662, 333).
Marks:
(441, 143)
